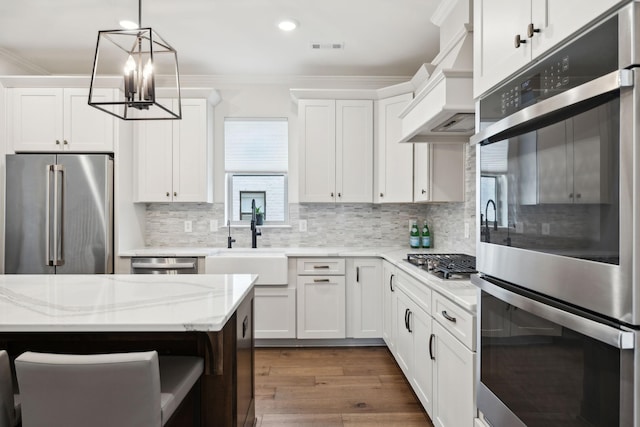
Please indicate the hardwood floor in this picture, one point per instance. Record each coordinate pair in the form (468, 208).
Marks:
(355, 386)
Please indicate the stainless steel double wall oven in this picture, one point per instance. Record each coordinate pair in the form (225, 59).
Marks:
(559, 235)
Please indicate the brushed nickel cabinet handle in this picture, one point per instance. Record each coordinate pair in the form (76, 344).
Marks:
(168, 194)
(321, 280)
(448, 317)
(66, 142)
(531, 30)
(424, 191)
(381, 195)
(518, 41)
(175, 194)
(57, 142)
(320, 267)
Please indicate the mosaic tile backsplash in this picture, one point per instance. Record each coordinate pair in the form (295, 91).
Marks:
(328, 225)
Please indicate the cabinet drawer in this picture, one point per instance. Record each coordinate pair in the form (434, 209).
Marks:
(460, 323)
(419, 292)
(321, 266)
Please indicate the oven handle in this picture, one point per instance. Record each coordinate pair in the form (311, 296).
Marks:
(561, 104)
(606, 334)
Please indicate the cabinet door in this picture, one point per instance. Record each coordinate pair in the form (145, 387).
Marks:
(321, 307)
(86, 128)
(191, 154)
(421, 161)
(364, 298)
(317, 122)
(153, 152)
(496, 23)
(389, 305)
(447, 169)
(453, 381)
(559, 19)
(245, 362)
(394, 161)
(36, 119)
(354, 151)
(422, 374)
(404, 338)
(275, 312)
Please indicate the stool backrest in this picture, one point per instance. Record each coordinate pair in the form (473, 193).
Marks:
(102, 390)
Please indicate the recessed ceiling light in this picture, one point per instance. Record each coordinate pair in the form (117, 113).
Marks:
(288, 24)
(128, 25)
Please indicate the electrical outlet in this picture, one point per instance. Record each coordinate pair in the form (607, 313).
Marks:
(410, 224)
(188, 226)
(467, 231)
(213, 225)
(302, 225)
(545, 229)
(519, 227)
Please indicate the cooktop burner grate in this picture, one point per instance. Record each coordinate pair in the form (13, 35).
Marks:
(447, 264)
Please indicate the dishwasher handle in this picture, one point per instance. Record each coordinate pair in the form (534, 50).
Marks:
(163, 266)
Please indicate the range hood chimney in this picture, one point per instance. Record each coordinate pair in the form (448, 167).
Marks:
(442, 110)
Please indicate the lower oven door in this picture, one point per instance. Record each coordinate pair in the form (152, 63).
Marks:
(543, 363)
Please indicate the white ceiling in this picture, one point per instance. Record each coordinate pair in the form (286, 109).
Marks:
(231, 37)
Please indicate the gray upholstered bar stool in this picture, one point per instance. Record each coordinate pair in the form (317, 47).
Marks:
(103, 390)
(9, 405)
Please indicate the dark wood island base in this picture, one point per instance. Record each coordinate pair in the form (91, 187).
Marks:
(226, 387)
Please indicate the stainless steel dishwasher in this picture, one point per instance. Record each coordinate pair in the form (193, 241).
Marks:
(174, 265)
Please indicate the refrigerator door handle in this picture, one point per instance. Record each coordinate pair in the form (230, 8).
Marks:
(47, 226)
(58, 213)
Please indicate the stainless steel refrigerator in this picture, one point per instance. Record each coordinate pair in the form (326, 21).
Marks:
(59, 214)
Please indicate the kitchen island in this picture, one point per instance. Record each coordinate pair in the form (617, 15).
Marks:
(210, 316)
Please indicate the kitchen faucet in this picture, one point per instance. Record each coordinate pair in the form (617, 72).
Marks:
(254, 230)
(486, 233)
(230, 240)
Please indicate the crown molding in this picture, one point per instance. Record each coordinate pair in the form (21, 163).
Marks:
(22, 63)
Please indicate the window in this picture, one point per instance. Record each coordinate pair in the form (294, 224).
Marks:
(256, 166)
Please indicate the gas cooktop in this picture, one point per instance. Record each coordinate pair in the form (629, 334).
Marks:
(447, 266)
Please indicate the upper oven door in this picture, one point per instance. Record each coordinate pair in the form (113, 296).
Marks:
(558, 168)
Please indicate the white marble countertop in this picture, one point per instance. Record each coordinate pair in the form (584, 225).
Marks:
(462, 292)
(120, 303)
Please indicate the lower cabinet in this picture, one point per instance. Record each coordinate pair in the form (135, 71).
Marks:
(389, 302)
(412, 348)
(321, 307)
(275, 311)
(364, 297)
(453, 381)
(245, 406)
(434, 342)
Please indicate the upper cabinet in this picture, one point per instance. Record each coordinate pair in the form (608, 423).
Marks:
(509, 34)
(336, 156)
(174, 157)
(439, 171)
(54, 119)
(394, 161)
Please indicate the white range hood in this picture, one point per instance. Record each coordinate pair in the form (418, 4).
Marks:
(443, 109)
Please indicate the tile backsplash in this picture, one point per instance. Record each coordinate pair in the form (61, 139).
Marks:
(356, 224)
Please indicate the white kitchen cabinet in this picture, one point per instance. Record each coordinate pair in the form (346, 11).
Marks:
(336, 155)
(394, 161)
(321, 298)
(412, 348)
(174, 157)
(56, 119)
(389, 305)
(453, 381)
(439, 172)
(275, 312)
(497, 23)
(364, 297)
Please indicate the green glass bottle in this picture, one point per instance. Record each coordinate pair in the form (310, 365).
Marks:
(426, 236)
(414, 235)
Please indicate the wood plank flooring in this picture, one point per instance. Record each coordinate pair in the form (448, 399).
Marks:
(333, 387)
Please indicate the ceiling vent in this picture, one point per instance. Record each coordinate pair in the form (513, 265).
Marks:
(327, 46)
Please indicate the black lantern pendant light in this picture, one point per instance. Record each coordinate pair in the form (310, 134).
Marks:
(146, 63)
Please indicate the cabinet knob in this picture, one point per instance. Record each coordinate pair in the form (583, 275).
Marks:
(424, 191)
(66, 142)
(168, 194)
(531, 30)
(578, 195)
(571, 195)
(175, 194)
(518, 41)
(339, 194)
(331, 194)
(57, 142)
(381, 194)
